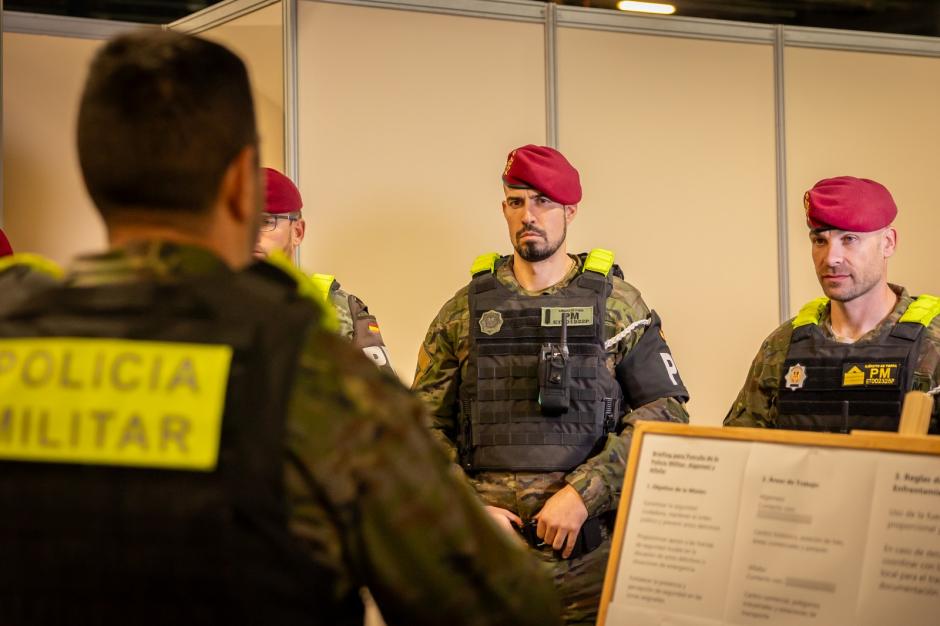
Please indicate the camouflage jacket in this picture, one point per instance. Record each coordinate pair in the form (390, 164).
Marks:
(368, 490)
(756, 404)
(23, 274)
(359, 326)
(442, 364)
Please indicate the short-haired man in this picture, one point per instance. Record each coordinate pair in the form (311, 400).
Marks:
(535, 373)
(847, 359)
(282, 229)
(183, 442)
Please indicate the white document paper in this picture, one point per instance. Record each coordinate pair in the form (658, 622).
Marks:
(801, 536)
(678, 545)
(901, 577)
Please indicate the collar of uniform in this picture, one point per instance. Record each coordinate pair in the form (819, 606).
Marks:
(143, 260)
(904, 301)
(505, 275)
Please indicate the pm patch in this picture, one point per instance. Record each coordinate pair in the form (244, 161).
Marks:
(871, 374)
(577, 315)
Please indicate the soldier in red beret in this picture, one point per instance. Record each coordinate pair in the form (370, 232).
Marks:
(282, 229)
(847, 359)
(536, 370)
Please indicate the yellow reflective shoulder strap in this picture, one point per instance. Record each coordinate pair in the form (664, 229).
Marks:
(922, 310)
(305, 288)
(484, 263)
(323, 284)
(34, 261)
(599, 260)
(811, 312)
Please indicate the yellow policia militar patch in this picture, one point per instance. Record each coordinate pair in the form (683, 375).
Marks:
(870, 374)
(112, 402)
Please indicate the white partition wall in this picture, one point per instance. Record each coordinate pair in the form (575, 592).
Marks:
(255, 32)
(872, 116)
(695, 139)
(46, 207)
(405, 119)
(674, 138)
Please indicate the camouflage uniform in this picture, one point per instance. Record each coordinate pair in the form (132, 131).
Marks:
(359, 326)
(442, 364)
(756, 404)
(24, 274)
(368, 492)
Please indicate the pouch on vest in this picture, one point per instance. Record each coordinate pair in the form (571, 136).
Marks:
(554, 397)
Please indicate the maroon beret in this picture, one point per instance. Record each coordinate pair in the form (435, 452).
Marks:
(849, 203)
(544, 169)
(5, 248)
(280, 194)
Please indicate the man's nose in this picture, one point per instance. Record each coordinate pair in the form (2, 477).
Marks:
(527, 216)
(833, 254)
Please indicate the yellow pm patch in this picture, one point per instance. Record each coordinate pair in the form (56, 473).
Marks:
(112, 402)
(870, 374)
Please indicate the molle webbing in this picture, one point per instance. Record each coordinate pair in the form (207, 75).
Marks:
(500, 398)
(846, 386)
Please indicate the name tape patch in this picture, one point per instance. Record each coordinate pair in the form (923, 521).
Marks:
(870, 374)
(577, 315)
(112, 402)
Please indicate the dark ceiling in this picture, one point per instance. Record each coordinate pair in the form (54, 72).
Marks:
(914, 17)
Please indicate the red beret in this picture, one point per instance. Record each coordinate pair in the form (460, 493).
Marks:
(280, 194)
(5, 248)
(545, 170)
(849, 203)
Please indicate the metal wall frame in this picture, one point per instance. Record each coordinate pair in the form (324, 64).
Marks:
(552, 16)
(780, 37)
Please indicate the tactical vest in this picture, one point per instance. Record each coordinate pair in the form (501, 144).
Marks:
(531, 400)
(106, 544)
(838, 387)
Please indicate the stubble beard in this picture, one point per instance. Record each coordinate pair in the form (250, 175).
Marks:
(535, 251)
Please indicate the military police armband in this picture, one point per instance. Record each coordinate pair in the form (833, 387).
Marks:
(648, 371)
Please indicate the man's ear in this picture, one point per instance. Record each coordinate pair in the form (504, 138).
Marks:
(889, 242)
(571, 211)
(299, 228)
(241, 191)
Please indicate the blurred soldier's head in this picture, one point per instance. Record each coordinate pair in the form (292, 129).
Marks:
(851, 234)
(282, 225)
(542, 194)
(168, 144)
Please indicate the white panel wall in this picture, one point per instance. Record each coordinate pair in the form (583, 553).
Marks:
(258, 39)
(675, 142)
(405, 123)
(872, 116)
(46, 207)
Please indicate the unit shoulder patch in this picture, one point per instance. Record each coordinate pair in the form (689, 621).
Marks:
(491, 322)
(795, 377)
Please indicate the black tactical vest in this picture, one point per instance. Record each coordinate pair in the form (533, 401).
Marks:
(95, 544)
(838, 387)
(530, 403)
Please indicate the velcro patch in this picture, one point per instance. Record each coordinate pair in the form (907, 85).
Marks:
(577, 315)
(871, 374)
(112, 402)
